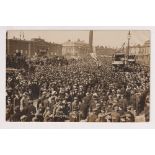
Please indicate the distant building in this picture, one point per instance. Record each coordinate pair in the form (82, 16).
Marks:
(71, 49)
(101, 50)
(35, 46)
(142, 53)
(134, 50)
(55, 49)
(39, 47)
(42, 48)
(16, 45)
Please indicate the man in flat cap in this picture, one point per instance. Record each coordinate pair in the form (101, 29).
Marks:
(74, 115)
(115, 114)
(92, 116)
(75, 104)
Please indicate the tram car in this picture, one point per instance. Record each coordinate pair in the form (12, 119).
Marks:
(131, 59)
(118, 61)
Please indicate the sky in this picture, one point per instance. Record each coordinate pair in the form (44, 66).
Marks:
(109, 38)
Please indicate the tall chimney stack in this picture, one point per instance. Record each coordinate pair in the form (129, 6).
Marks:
(91, 40)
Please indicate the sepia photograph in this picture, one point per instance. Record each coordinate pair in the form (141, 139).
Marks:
(78, 76)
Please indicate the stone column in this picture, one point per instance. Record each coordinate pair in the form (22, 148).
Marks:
(29, 49)
(91, 40)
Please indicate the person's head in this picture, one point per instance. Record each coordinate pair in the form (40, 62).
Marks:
(129, 117)
(115, 117)
(47, 108)
(132, 92)
(25, 94)
(66, 95)
(52, 98)
(115, 100)
(54, 93)
(58, 99)
(64, 102)
(40, 105)
(69, 103)
(81, 87)
(9, 101)
(95, 95)
(109, 105)
(30, 102)
(147, 101)
(113, 91)
(16, 109)
(121, 96)
(118, 96)
(115, 107)
(122, 118)
(75, 99)
(108, 117)
(23, 118)
(34, 119)
(98, 105)
(95, 110)
(110, 97)
(102, 111)
(7, 113)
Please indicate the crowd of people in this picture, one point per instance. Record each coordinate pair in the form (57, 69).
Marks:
(19, 61)
(77, 91)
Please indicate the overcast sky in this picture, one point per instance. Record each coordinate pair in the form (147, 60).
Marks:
(112, 38)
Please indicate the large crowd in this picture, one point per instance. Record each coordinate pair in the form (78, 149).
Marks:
(76, 91)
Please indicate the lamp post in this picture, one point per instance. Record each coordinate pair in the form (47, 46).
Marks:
(129, 37)
(128, 49)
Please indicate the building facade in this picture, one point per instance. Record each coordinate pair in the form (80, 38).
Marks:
(34, 47)
(39, 47)
(16, 45)
(55, 49)
(77, 49)
(101, 50)
(142, 53)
